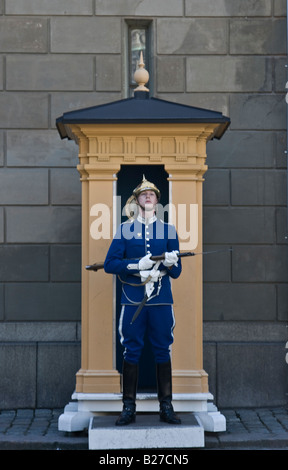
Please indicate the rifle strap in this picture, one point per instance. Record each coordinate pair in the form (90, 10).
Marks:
(135, 285)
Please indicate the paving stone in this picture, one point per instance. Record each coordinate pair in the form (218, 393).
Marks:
(34, 435)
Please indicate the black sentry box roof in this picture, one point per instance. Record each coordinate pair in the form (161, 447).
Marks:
(142, 109)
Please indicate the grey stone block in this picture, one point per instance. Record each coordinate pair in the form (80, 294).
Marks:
(108, 72)
(65, 186)
(53, 7)
(40, 148)
(65, 263)
(1, 75)
(191, 36)
(243, 149)
(227, 73)
(282, 303)
(281, 225)
(2, 302)
(244, 331)
(23, 187)
(280, 74)
(260, 112)
(216, 189)
(18, 372)
(38, 331)
(252, 225)
(280, 7)
(23, 110)
(43, 224)
(215, 102)
(63, 102)
(280, 148)
(1, 225)
(56, 369)
(217, 266)
(23, 35)
(209, 363)
(260, 263)
(245, 301)
(258, 187)
(86, 35)
(143, 8)
(23, 263)
(254, 376)
(258, 36)
(170, 74)
(50, 72)
(42, 301)
(1, 149)
(227, 8)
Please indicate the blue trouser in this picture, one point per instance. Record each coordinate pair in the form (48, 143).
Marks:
(157, 320)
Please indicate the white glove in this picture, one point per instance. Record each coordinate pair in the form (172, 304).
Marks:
(171, 259)
(154, 273)
(145, 263)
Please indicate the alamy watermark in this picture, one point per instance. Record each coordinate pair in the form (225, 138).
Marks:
(183, 216)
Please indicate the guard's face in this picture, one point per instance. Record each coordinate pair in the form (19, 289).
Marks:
(147, 200)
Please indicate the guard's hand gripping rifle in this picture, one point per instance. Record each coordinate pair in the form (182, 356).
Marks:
(97, 266)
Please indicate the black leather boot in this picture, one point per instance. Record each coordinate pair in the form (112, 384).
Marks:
(130, 380)
(164, 384)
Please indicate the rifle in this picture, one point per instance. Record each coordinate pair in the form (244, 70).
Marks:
(97, 266)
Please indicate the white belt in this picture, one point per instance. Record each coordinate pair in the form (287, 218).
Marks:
(162, 273)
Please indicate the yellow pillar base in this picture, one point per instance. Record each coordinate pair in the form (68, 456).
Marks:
(190, 381)
(97, 381)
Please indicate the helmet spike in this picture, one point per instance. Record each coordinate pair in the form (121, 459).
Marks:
(146, 185)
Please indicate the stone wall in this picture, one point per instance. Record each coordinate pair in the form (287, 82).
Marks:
(224, 55)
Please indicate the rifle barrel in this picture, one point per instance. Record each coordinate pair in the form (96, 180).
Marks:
(96, 266)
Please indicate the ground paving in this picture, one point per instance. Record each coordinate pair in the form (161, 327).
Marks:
(251, 429)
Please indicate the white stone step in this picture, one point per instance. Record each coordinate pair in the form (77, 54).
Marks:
(148, 432)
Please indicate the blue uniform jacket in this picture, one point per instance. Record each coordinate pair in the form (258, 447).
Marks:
(132, 241)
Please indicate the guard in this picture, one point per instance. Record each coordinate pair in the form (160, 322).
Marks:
(147, 302)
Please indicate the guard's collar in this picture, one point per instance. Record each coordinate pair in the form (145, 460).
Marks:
(146, 221)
